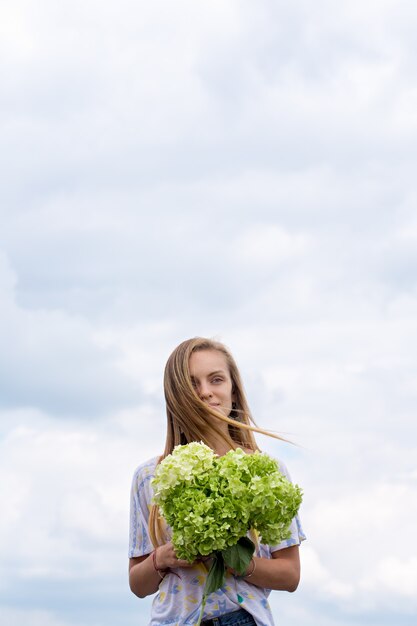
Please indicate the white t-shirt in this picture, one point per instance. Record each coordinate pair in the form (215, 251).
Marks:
(178, 600)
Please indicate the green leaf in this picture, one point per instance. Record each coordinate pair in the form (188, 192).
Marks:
(239, 556)
(215, 577)
(215, 580)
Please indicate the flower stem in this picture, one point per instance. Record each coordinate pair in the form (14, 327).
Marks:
(203, 604)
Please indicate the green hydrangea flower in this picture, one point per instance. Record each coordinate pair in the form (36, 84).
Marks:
(210, 502)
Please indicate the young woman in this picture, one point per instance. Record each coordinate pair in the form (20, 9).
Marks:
(205, 402)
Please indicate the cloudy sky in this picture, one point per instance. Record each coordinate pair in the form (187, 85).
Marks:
(234, 169)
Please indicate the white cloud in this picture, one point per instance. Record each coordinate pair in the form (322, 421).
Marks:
(348, 530)
(49, 360)
(16, 617)
(393, 576)
(267, 245)
(72, 483)
(316, 575)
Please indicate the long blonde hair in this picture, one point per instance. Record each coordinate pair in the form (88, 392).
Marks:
(190, 419)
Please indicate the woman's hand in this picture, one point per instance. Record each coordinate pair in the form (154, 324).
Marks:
(282, 571)
(144, 579)
(165, 558)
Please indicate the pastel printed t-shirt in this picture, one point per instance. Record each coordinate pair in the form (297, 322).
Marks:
(179, 598)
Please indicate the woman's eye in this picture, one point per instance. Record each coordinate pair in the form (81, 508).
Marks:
(217, 380)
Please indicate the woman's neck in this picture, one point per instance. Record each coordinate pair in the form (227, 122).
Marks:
(219, 445)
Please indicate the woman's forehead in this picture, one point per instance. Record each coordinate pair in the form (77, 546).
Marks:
(207, 361)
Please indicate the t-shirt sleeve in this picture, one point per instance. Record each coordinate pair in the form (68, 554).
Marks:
(296, 530)
(140, 500)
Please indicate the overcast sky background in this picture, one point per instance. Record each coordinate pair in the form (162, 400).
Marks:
(243, 170)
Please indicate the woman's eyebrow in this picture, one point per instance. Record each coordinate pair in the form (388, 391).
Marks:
(211, 374)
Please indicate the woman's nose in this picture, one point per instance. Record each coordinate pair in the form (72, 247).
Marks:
(205, 391)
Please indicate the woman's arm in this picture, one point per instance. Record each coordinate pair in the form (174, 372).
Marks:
(144, 579)
(281, 572)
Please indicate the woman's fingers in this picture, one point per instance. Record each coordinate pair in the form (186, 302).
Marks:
(182, 563)
(166, 557)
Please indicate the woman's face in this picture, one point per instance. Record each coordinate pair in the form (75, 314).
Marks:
(211, 379)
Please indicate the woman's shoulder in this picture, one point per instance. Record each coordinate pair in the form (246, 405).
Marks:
(145, 469)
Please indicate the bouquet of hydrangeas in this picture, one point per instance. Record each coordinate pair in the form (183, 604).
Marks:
(212, 502)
